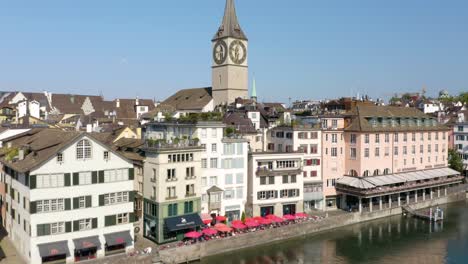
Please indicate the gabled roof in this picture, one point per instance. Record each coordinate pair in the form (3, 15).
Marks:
(190, 99)
(230, 26)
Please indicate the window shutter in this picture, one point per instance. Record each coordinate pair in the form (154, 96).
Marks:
(131, 196)
(258, 195)
(40, 230)
(110, 220)
(131, 217)
(276, 194)
(26, 179)
(101, 200)
(94, 223)
(101, 176)
(298, 192)
(131, 174)
(76, 203)
(46, 229)
(88, 201)
(67, 179)
(318, 161)
(94, 177)
(68, 204)
(32, 182)
(68, 227)
(76, 225)
(32, 207)
(76, 178)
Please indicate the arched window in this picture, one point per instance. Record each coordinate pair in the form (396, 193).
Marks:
(366, 173)
(353, 173)
(386, 172)
(376, 172)
(83, 149)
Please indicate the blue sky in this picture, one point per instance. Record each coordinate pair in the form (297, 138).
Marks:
(299, 48)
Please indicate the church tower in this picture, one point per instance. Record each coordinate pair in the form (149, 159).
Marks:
(230, 68)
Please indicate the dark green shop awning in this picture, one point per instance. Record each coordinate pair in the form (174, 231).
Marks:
(87, 242)
(183, 222)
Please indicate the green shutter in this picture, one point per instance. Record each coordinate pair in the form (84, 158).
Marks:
(40, 230)
(110, 220)
(76, 225)
(94, 177)
(131, 196)
(101, 176)
(47, 229)
(94, 223)
(88, 201)
(68, 227)
(67, 179)
(76, 178)
(26, 179)
(101, 200)
(32, 207)
(131, 217)
(32, 182)
(67, 204)
(131, 174)
(76, 203)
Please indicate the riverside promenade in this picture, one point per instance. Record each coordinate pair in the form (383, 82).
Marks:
(198, 251)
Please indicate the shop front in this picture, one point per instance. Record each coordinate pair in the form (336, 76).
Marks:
(289, 209)
(86, 248)
(233, 213)
(267, 210)
(54, 253)
(176, 227)
(117, 242)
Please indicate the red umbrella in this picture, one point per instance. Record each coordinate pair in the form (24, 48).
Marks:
(207, 221)
(238, 226)
(277, 219)
(265, 221)
(248, 220)
(224, 229)
(219, 225)
(270, 216)
(235, 222)
(193, 234)
(209, 231)
(289, 217)
(258, 218)
(301, 215)
(251, 224)
(221, 218)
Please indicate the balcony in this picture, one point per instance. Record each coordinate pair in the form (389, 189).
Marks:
(214, 206)
(190, 177)
(153, 180)
(264, 171)
(187, 195)
(171, 198)
(162, 144)
(171, 179)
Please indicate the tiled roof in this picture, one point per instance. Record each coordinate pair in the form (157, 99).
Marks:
(190, 99)
(360, 114)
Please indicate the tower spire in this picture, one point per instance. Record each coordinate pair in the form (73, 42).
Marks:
(253, 96)
(230, 26)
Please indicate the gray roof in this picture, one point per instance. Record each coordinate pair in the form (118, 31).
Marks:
(377, 181)
(230, 26)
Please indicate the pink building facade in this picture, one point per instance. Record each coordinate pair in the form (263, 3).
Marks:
(391, 155)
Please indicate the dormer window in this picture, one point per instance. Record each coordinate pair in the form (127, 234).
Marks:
(418, 122)
(434, 122)
(83, 149)
(393, 122)
(384, 122)
(373, 122)
(60, 157)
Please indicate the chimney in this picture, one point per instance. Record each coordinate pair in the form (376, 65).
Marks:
(137, 101)
(89, 128)
(21, 154)
(117, 103)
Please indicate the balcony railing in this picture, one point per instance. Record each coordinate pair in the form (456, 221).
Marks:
(171, 198)
(163, 144)
(190, 177)
(153, 180)
(171, 179)
(214, 205)
(264, 171)
(190, 194)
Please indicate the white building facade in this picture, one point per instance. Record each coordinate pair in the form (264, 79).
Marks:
(460, 135)
(76, 205)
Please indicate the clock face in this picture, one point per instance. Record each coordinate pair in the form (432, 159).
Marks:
(237, 52)
(220, 52)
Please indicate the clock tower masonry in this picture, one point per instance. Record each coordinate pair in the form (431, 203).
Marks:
(230, 71)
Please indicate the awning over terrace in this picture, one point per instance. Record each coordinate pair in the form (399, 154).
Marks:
(378, 181)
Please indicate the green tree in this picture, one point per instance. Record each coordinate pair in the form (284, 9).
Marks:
(243, 217)
(455, 161)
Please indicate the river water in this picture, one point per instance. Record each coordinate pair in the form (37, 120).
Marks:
(393, 240)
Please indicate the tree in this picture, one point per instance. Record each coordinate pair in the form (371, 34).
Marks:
(454, 160)
(243, 217)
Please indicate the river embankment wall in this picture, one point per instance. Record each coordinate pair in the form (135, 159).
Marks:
(214, 247)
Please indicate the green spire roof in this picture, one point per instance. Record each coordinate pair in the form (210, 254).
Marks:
(254, 89)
